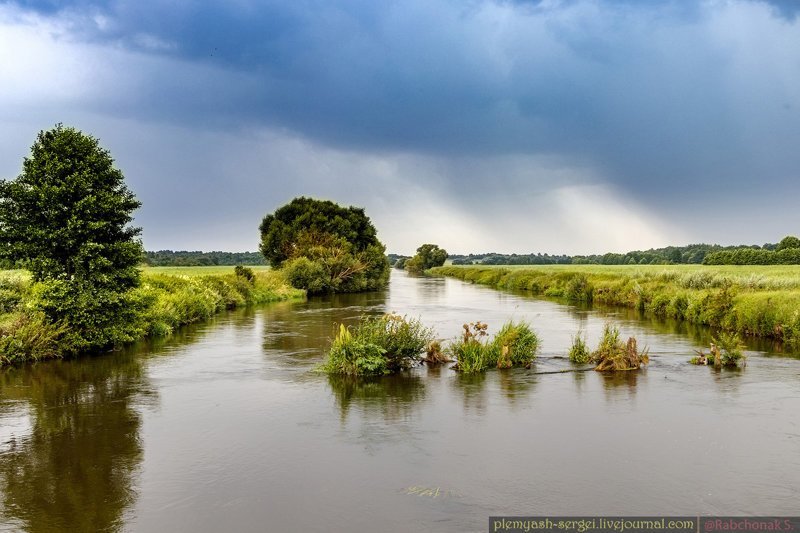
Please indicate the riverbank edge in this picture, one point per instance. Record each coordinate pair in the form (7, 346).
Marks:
(749, 304)
(167, 302)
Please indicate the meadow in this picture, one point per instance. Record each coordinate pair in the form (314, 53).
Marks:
(760, 301)
(193, 271)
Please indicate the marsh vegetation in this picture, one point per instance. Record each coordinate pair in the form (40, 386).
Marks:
(391, 343)
(758, 301)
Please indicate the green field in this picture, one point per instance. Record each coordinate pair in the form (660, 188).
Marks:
(170, 271)
(197, 270)
(761, 301)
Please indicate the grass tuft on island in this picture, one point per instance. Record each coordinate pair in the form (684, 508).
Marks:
(761, 301)
(614, 355)
(166, 299)
(514, 345)
(391, 343)
(378, 345)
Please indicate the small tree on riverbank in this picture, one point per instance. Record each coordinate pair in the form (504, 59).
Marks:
(323, 247)
(428, 256)
(66, 219)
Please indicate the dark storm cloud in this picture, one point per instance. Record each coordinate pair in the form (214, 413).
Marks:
(661, 98)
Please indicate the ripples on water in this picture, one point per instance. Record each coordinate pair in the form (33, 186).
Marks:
(227, 426)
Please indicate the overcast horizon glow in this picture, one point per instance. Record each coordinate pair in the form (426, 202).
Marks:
(552, 126)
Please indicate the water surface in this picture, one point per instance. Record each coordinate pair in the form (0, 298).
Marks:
(226, 426)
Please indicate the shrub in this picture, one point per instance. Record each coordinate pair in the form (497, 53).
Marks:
(29, 338)
(614, 355)
(244, 272)
(352, 356)
(579, 353)
(378, 345)
(515, 345)
(434, 354)
(12, 290)
(304, 273)
(471, 351)
(579, 289)
(94, 318)
(726, 350)
(729, 350)
(403, 339)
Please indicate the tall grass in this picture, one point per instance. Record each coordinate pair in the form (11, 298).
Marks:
(726, 350)
(614, 355)
(378, 345)
(755, 301)
(579, 352)
(164, 303)
(514, 345)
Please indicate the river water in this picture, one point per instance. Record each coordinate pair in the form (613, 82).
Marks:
(226, 426)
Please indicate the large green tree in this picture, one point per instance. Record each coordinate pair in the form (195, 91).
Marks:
(66, 218)
(324, 247)
(428, 256)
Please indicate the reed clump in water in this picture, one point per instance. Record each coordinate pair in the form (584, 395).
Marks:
(760, 305)
(378, 345)
(471, 349)
(726, 350)
(579, 352)
(434, 354)
(614, 355)
(514, 345)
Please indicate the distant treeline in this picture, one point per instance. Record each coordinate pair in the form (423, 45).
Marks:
(184, 258)
(691, 254)
(786, 252)
(512, 259)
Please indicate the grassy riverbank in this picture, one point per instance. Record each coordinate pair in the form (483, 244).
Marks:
(167, 298)
(761, 301)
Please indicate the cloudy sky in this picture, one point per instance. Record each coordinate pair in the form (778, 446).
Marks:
(560, 126)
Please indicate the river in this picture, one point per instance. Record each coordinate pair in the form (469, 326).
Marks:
(226, 426)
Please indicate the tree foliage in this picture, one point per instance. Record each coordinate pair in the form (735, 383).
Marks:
(428, 256)
(324, 247)
(788, 243)
(196, 258)
(65, 218)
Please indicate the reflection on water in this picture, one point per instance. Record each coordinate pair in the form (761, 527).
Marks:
(227, 425)
(472, 389)
(295, 334)
(73, 468)
(393, 397)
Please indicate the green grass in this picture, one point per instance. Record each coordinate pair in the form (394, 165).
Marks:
(514, 345)
(168, 297)
(579, 352)
(378, 345)
(197, 270)
(762, 301)
(613, 355)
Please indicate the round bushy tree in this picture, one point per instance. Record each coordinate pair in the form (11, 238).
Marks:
(324, 247)
(428, 256)
(787, 243)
